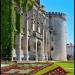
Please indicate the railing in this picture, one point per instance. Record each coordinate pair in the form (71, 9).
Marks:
(38, 35)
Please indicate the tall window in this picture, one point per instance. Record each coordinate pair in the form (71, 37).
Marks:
(39, 29)
(33, 27)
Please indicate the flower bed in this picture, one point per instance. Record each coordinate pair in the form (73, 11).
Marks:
(56, 71)
(30, 69)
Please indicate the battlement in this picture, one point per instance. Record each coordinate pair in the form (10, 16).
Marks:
(56, 13)
(59, 14)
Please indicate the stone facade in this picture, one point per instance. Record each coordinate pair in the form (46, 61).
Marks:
(43, 36)
(70, 51)
(33, 42)
(57, 29)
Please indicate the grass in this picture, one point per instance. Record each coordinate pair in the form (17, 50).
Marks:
(45, 70)
(68, 66)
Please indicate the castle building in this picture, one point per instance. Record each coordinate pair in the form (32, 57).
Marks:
(33, 42)
(70, 51)
(43, 36)
(57, 29)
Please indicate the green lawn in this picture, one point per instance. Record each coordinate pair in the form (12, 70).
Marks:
(68, 66)
(46, 69)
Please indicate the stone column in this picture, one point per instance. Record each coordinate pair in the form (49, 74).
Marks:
(43, 55)
(19, 46)
(36, 51)
(46, 48)
(27, 42)
(13, 53)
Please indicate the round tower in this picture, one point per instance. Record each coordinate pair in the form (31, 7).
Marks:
(57, 26)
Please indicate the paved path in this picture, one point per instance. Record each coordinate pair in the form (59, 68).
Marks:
(3, 65)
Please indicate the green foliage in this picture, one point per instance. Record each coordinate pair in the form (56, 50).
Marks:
(5, 23)
(30, 4)
(5, 31)
(18, 17)
(18, 24)
(66, 65)
(10, 23)
(25, 3)
(13, 22)
(7, 27)
(22, 4)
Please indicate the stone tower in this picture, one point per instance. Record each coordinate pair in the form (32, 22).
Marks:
(57, 28)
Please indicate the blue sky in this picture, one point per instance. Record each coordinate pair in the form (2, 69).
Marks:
(67, 7)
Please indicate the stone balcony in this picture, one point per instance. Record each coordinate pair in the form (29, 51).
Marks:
(37, 34)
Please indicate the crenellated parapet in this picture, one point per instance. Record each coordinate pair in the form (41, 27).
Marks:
(59, 14)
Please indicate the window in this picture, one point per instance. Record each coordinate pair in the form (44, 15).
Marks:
(39, 29)
(33, 27)
(52, 48)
